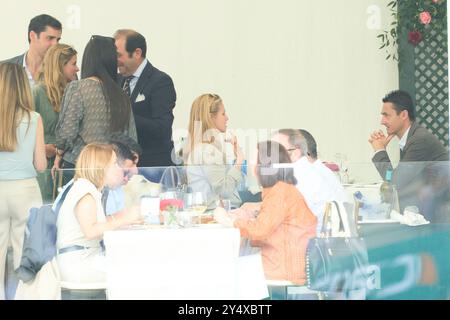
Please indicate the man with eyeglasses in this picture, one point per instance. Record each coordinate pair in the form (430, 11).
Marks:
(332, 183)
(127, 151)
(310, 182)
(44, 31)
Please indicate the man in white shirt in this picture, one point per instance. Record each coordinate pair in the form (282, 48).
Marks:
(44, 31)
(310, 182)
(335, 189)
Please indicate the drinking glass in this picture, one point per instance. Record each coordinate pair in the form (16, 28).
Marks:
(224, 203)
(195, 203)
(199, 202)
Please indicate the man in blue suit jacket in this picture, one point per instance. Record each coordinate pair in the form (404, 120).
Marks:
(152, 95)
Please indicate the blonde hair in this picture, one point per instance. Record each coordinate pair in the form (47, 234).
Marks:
(15, 101)
(202, 112)
(92, 163)
(51, 73)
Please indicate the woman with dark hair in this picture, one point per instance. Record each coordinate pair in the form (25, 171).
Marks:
(284, 224)
(94, 107)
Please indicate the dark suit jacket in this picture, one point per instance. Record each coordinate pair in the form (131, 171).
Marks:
(153, 116)
(419, 165)
(17, 60)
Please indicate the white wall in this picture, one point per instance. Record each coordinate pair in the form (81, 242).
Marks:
(286, 63)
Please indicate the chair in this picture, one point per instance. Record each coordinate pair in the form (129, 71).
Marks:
(83, 291)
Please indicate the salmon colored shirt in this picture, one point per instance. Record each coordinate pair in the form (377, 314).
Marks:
(282, 230)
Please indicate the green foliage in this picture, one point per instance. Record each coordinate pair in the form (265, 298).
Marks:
(416, 18)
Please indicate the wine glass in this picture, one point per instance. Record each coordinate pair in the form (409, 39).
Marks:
(199, 202)
(224, 203)
(343, 167)
(195, 203)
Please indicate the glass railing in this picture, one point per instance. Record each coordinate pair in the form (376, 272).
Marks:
(404, 224)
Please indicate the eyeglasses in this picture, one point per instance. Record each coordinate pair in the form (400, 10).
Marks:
(127, 174)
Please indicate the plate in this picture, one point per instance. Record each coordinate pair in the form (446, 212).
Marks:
(209, 225)
(142, 226)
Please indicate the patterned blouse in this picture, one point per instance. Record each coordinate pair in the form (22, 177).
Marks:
(84, 118)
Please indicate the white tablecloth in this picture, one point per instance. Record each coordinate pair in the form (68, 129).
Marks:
(191, 263)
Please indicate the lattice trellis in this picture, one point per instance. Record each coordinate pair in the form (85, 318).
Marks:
(431, 84)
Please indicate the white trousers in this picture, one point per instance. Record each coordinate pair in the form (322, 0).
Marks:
(16, 199)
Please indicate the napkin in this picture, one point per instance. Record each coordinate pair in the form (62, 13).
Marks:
(409, 218)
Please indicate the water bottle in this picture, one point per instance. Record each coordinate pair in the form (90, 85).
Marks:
(150, 207)
(386, 189)
(362, 201)
(362, 206)
(243, 184)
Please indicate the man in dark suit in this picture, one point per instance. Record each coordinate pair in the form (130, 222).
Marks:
(420, 150)
(44, 31)
(153, 97)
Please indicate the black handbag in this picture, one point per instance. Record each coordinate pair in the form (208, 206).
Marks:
(336, 263)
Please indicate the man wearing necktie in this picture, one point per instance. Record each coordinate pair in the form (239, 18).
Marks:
(126, 85)
(418, 148)
(152, 94)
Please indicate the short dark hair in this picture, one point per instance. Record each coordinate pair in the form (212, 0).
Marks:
(269, 153)
(296, 139)
(312, 145)
(401, 101)
(133, 41)
(41, 22)
(126, 148)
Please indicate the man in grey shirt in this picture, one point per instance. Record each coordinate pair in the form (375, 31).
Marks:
(44, 31)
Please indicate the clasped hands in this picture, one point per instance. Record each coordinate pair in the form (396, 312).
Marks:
(379, 140)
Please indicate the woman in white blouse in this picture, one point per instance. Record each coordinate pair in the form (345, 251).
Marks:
(82, 222)
(205, 155)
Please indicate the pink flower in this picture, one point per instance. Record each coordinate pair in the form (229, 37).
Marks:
(425, 17)
(414, 37)
(170, 204)
(435, 1)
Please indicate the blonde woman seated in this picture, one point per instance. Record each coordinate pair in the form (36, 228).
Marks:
(205, 155)
(82, 222)
(284, 225)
